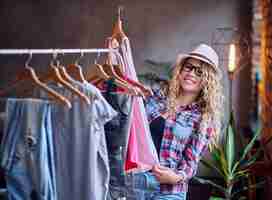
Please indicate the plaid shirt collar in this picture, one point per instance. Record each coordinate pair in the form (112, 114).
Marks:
(194, 107)
(159, 97)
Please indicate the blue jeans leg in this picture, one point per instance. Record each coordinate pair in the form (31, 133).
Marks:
(145, 186)
(141, 186)
(179, 196)
(27, 151)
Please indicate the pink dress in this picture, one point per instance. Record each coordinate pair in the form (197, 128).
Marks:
(141, 151)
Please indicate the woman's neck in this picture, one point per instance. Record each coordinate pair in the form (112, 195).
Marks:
(186, 99)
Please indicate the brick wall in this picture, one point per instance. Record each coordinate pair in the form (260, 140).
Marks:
(265, 86)
(256, 53)
(266, 66)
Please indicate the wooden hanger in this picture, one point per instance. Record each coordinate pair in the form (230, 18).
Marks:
(53, 74)
(119, 70)
(75, 70)
(145, 91)
(118, 32)
(70, 80)
(109, 69)
(96, 72)
(29, 74)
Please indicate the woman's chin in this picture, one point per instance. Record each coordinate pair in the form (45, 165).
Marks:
(190, 89)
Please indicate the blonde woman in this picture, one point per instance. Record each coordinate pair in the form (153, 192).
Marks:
(183, 124)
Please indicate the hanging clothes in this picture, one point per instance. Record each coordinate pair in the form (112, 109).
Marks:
(141, 152)
(82, 166)
(117, 138)
(27, 150)
(79, 149)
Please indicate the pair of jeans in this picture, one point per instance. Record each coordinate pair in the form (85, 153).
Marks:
(145, 186)
(27, 150)
(117, 132)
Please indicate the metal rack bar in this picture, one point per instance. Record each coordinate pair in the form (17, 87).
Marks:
(54, 51)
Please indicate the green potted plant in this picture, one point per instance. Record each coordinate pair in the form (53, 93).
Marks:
(229, 167)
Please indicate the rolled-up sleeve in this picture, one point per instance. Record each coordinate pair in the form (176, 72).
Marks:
(197, 144)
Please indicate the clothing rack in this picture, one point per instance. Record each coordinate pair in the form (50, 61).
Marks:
(56, 51)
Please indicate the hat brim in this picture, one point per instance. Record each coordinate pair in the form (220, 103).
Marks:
(183, 57)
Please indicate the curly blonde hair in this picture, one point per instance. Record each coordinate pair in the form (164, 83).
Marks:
(210, 99)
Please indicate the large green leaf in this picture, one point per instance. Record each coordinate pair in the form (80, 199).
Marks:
(223, 161)
(220, 160)
(235, 166)
(252, 160)
(216, 155)
(237, 179)
(257, 185)
(239, 174)
(230, 147)
(212, 166)
(248, 148)
(256, 155)
(205, 181)
(250, 144)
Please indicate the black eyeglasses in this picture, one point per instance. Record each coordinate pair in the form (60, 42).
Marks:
(188, 67)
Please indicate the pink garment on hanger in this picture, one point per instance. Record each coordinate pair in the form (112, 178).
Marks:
(139, 154)
(141, 151)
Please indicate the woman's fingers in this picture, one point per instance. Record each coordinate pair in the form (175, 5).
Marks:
(159, 172)
(162, 167)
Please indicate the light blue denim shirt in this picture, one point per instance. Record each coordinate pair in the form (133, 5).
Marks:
(82, 165)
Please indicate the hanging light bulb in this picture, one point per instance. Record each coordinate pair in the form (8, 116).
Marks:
(232, 61)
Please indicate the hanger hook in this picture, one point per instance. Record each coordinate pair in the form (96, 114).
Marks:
(80, 57)
(120, 10)
(97, 57)
(55, 58)
(29, 59)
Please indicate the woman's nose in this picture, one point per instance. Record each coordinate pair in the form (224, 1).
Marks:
(192, 73)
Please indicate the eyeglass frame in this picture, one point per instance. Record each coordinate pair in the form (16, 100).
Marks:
(198, 70)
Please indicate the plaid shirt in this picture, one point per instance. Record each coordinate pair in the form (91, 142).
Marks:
(182, 143)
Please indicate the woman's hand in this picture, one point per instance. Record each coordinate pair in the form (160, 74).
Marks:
(166, 175)
(147, 91)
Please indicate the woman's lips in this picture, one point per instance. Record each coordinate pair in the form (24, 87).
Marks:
(189, 80)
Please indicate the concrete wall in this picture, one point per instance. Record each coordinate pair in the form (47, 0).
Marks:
(158, 29)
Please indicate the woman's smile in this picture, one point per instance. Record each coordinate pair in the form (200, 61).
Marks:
(190, 79)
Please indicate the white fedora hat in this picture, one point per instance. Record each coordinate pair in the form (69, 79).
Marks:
(204, 53)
